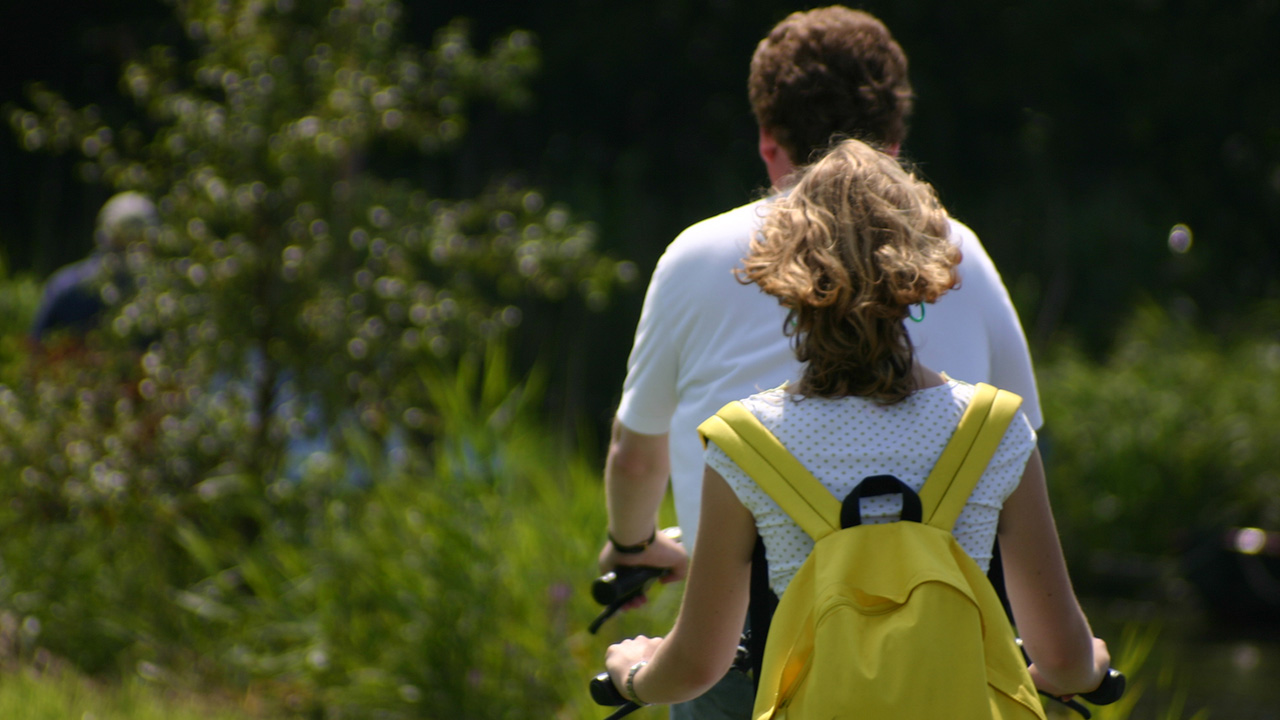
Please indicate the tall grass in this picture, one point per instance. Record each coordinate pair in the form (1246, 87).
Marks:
(1153, 689)
(31, 695)
(443, 574)
(453, 585)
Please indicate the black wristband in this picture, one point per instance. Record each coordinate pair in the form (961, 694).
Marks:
(633, 549)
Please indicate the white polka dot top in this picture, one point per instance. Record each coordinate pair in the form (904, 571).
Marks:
(843, 440)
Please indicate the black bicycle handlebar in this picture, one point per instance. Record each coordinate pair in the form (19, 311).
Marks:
(619, 587)
(1111, 689)
(625, 583)
(605, 693)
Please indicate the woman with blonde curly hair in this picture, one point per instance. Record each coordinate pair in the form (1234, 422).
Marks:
(855, 244)
(855, 249)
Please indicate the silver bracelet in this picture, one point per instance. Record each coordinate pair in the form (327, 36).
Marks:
(630, 687)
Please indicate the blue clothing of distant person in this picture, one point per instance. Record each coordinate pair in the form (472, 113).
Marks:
(72, 298)
(71, 302)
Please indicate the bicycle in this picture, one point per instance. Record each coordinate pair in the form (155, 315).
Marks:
(627, 582)
(605, 693)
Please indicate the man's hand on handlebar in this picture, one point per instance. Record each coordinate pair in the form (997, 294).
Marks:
(664, 552)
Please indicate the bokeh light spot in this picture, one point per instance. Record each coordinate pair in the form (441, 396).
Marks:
(1180, 238)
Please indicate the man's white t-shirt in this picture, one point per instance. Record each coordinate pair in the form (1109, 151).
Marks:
(704, 339)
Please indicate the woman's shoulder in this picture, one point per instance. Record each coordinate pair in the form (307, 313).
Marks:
(767, 403)
(951, 397)
(781, 405)
(1020, 434)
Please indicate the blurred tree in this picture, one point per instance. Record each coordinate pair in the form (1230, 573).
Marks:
(297, 287)
(286, 255)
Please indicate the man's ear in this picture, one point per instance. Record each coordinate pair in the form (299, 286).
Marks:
(768, 146)
(776, 160)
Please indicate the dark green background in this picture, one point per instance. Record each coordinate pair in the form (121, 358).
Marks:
(1072, 136)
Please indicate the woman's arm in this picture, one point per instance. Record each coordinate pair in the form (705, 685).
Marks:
(1067, 659)
(701, 647)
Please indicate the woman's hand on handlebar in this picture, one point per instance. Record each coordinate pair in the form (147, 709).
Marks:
(1101, 665)
(620, 657)
(664, 552)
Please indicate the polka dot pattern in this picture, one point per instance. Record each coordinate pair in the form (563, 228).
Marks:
(843, 440)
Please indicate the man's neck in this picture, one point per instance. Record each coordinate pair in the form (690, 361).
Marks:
(777, 163)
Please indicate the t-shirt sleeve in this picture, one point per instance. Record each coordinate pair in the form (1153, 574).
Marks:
(1009, 354)
(1012, 454)
(786, 545)
(980, 519)
(748, 492)
(649, 393)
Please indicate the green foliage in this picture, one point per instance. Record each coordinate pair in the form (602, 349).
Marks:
(444, 589)
(451, 585)
(18, 300)
(1150, 691)
(286, 266)
(1172, 434)
(60, 695)
(293, 454)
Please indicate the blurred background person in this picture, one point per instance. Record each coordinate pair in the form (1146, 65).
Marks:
(76, 295)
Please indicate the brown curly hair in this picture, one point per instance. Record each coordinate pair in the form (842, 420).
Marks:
(826, 72)
(855, 242)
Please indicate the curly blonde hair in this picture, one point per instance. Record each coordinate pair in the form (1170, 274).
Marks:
(856, 242)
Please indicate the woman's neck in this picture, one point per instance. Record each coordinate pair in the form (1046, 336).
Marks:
(922, 377)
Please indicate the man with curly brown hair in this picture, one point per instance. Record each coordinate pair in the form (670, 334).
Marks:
(830, 71)
(705, 339)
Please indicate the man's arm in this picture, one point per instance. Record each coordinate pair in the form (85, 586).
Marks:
(635, 480)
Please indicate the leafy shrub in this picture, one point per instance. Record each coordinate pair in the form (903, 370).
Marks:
(452, 584)
(1173, 433)
(293, 454)
(19, 297)
(449, 588)
(298, 276)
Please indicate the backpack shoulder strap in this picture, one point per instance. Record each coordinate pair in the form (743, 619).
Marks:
(762, 456)
(967, 454)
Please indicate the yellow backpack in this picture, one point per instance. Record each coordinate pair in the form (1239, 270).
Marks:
(890, 620)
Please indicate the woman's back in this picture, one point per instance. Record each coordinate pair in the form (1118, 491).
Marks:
(843, 440)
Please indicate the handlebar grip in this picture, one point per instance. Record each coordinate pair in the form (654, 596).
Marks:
(1111, 689)
(624, 583)
(604, 692)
